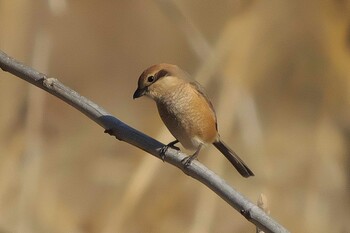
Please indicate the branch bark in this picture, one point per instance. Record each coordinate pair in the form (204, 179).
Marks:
(136, 138)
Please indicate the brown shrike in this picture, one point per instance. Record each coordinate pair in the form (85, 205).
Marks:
(186, 111)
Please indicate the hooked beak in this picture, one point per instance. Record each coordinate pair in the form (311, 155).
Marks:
(138, 93)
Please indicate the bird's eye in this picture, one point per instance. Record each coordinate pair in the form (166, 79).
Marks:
(150, 79)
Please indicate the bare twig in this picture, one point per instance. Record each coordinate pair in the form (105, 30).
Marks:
(127, 134)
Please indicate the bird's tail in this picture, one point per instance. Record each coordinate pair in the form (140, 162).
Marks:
(236, 161)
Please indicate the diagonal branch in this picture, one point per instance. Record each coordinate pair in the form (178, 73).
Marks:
(130, 135)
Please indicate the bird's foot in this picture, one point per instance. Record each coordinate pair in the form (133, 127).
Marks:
(187, 161)
(166, 147)
(172, 145)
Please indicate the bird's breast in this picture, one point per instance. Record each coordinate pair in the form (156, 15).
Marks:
(188, 116)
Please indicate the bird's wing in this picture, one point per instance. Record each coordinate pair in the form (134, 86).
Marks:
(201, 91)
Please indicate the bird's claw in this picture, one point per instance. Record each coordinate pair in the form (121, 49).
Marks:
(187, 161)
(166, 147)
(174, 147)
(162, 152)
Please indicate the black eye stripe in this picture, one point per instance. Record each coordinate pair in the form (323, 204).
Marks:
(153, 78)
(161, 74)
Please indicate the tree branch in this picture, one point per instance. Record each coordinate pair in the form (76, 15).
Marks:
(134, 137)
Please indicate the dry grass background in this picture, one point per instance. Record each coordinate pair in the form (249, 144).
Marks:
(278, 73)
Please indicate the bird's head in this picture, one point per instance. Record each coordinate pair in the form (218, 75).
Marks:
(158, 79)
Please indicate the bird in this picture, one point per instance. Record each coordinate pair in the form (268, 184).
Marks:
(186, 110)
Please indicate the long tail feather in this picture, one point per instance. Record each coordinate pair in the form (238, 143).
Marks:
(235, 160)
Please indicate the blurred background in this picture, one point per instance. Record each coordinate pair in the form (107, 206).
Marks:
(278, 73)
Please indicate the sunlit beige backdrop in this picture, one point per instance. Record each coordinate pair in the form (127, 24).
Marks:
(278, 73)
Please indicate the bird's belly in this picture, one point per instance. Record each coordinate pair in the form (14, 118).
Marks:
(191, 128)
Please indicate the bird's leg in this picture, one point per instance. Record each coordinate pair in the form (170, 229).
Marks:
(165, 148)
(187, 161)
